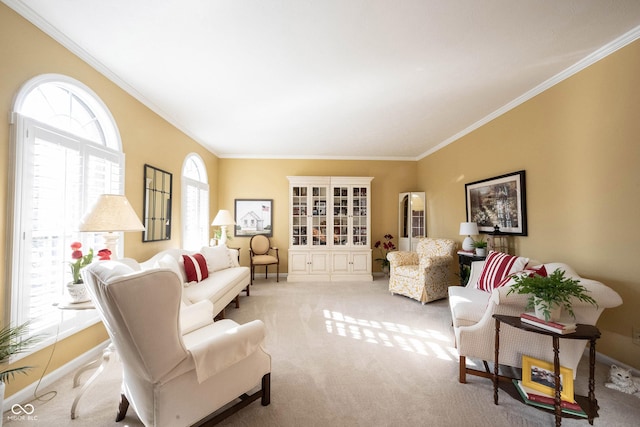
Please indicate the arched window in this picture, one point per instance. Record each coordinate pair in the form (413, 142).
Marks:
(195, 203)
(67, 152)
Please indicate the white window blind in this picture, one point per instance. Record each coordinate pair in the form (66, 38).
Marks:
(195, 204)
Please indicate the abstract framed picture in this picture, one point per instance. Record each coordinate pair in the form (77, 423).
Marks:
(539, 375)
(253, 216)
(500, 201)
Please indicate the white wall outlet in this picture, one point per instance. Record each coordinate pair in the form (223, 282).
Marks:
(635, 334)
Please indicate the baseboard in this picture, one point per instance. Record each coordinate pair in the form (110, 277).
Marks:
(27, 393)
(603, 358)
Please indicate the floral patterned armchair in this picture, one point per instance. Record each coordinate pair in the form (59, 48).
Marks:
(422, 275)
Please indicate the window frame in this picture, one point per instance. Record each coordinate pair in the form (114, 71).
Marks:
(23, 133)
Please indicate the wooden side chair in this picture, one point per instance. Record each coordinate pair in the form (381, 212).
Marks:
(262, 253)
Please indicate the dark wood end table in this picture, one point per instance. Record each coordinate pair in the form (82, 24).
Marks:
(583, 332)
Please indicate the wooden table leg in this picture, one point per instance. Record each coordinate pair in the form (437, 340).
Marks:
(496, 369)
(556, 372)
(592, 382)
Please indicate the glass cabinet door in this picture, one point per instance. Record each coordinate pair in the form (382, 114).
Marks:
(350, 212)
(319, 216)
(359, 215)
(299, 202)
(340, 216)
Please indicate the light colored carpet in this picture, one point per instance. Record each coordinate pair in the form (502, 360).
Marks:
(351, 354)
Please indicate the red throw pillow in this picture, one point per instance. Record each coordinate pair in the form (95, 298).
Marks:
(531, 271)
(497, 267)
(540, 270)
(196, 267)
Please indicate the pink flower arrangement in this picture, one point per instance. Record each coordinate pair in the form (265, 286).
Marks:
(385, 247)
(80, 261)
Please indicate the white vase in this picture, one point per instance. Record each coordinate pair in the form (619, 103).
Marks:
(554, 312)
(481, 251)
(78, 292)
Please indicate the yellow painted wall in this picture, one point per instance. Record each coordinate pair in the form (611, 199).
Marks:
(27, 52)
(255, 179)
(579, 143)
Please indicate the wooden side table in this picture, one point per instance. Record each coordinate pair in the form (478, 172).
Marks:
(465, 259)
(583, 332)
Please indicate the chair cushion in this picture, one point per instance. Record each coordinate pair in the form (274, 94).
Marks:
(196, 267)
(264, 259)
(497, 266)
(411, 271)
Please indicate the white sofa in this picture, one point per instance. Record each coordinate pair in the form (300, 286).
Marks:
(227, 279)
(474, 327)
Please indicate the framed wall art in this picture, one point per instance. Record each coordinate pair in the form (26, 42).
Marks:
(253, 216)
(539, 375)
(498, 201)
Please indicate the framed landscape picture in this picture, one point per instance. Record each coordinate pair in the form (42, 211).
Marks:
(539, 375)
(498, 201)
(253, 216)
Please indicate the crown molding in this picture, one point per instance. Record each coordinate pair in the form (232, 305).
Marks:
(587, 61)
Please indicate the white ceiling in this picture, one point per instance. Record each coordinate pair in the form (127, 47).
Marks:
(367, 79)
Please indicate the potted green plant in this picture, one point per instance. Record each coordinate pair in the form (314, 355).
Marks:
(549, 295)
(12, 343)
(481, 247)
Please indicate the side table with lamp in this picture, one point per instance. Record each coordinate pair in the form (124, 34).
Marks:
(467, 255)
(110, 214)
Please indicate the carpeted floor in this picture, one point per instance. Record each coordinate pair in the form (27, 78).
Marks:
(350, 354)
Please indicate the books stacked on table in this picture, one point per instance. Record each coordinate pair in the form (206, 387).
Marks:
(534, 398)
(563, 326)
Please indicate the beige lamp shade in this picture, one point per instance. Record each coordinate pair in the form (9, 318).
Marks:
(111, 213)
(223, 219)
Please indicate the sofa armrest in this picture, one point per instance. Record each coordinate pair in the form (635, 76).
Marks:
(398, 258)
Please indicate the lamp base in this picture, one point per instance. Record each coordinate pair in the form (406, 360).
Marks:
(223, 236)
(111, 243)
(467, 244)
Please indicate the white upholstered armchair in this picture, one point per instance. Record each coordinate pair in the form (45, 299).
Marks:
(179, 366)
(422, 275)
(472, 313)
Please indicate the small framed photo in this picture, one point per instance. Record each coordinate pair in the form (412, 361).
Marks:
(539, 376)
(253, 216)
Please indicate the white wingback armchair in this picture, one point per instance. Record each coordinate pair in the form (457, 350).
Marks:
(422, 275)
(179, 366)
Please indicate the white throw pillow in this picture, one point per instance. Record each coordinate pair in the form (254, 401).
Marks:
(233, 253)
(218, 257)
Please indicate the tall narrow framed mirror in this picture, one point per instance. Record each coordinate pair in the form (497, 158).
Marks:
(411, 220)
(157, 204)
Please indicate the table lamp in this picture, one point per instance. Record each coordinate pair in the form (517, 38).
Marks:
(468, 229)
(223, 219)
(111, 214)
